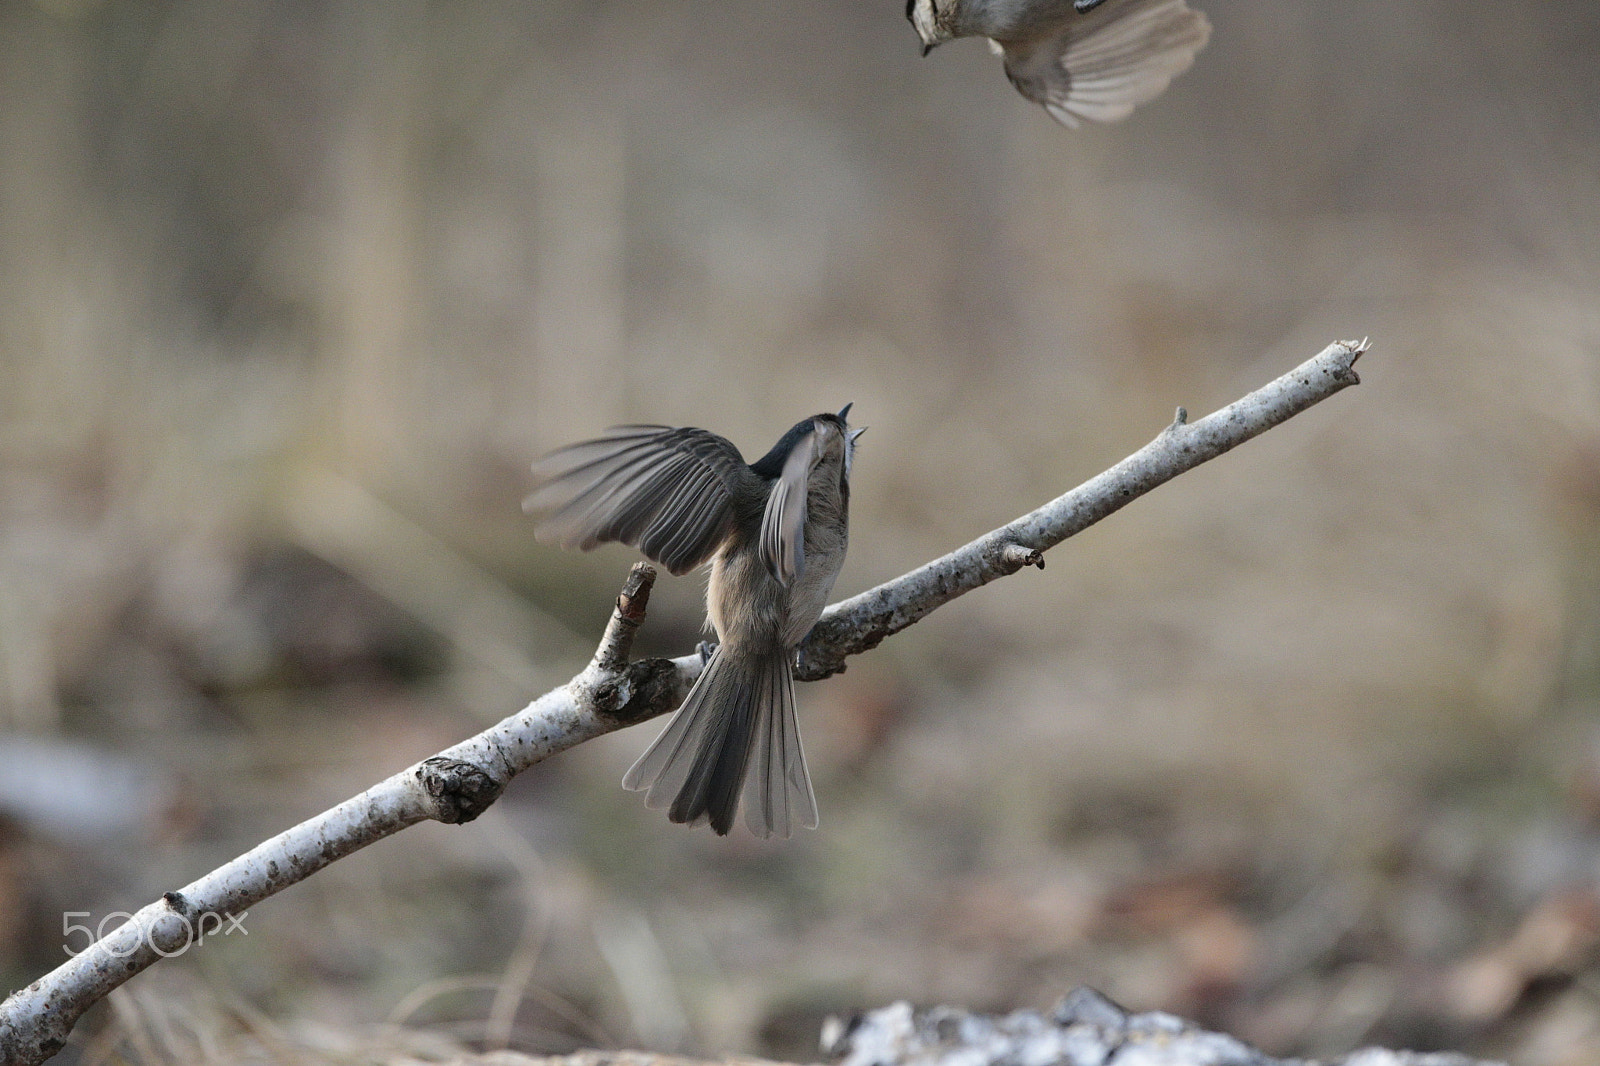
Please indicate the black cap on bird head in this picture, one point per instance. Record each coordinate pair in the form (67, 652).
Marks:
(771, 464)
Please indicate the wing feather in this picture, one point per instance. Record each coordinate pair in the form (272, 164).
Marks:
(1102, 65)
(783, 523)
(666, 490)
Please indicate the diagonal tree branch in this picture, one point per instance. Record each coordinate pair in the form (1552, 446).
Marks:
(461, 782)
(861, 622)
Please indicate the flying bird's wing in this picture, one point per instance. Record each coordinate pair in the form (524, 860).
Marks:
(1101, 65)
(667, 491)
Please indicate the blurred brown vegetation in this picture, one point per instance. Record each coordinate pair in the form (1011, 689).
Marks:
(1305, 745)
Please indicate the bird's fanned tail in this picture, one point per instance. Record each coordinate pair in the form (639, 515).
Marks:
(734, 735)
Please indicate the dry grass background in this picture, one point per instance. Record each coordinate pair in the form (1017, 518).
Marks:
(1305, 745)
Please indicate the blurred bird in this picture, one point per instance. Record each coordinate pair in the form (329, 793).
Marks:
(1093, 59)
(775, 533)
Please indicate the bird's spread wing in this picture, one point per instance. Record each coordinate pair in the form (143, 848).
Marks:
(783, 525)
(1101, 65)
(667, 491)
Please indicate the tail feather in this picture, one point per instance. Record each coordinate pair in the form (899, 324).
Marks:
(665, 765)
(735, 734)
(777, 788)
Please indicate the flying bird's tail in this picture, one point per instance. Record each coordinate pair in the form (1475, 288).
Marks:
(735, 734)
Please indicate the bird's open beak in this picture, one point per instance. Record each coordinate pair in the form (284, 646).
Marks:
(844, 412)
(854, 433)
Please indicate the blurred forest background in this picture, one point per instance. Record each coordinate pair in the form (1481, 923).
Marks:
(1306, 745)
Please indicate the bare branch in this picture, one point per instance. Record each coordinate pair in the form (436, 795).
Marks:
(461, 782)
(862, 622)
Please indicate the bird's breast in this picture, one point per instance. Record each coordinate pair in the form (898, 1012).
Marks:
(746, 605)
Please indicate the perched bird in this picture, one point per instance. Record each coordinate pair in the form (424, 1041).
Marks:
(1093, 59)
(775, 533)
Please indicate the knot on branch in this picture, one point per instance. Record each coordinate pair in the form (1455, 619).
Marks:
(1014, 557)
(641, 690)
(823, 652)
(460, 790)
(35, 1048)
(179, 904)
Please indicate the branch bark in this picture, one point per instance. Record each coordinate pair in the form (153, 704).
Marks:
(461, 782)
(862, 622)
